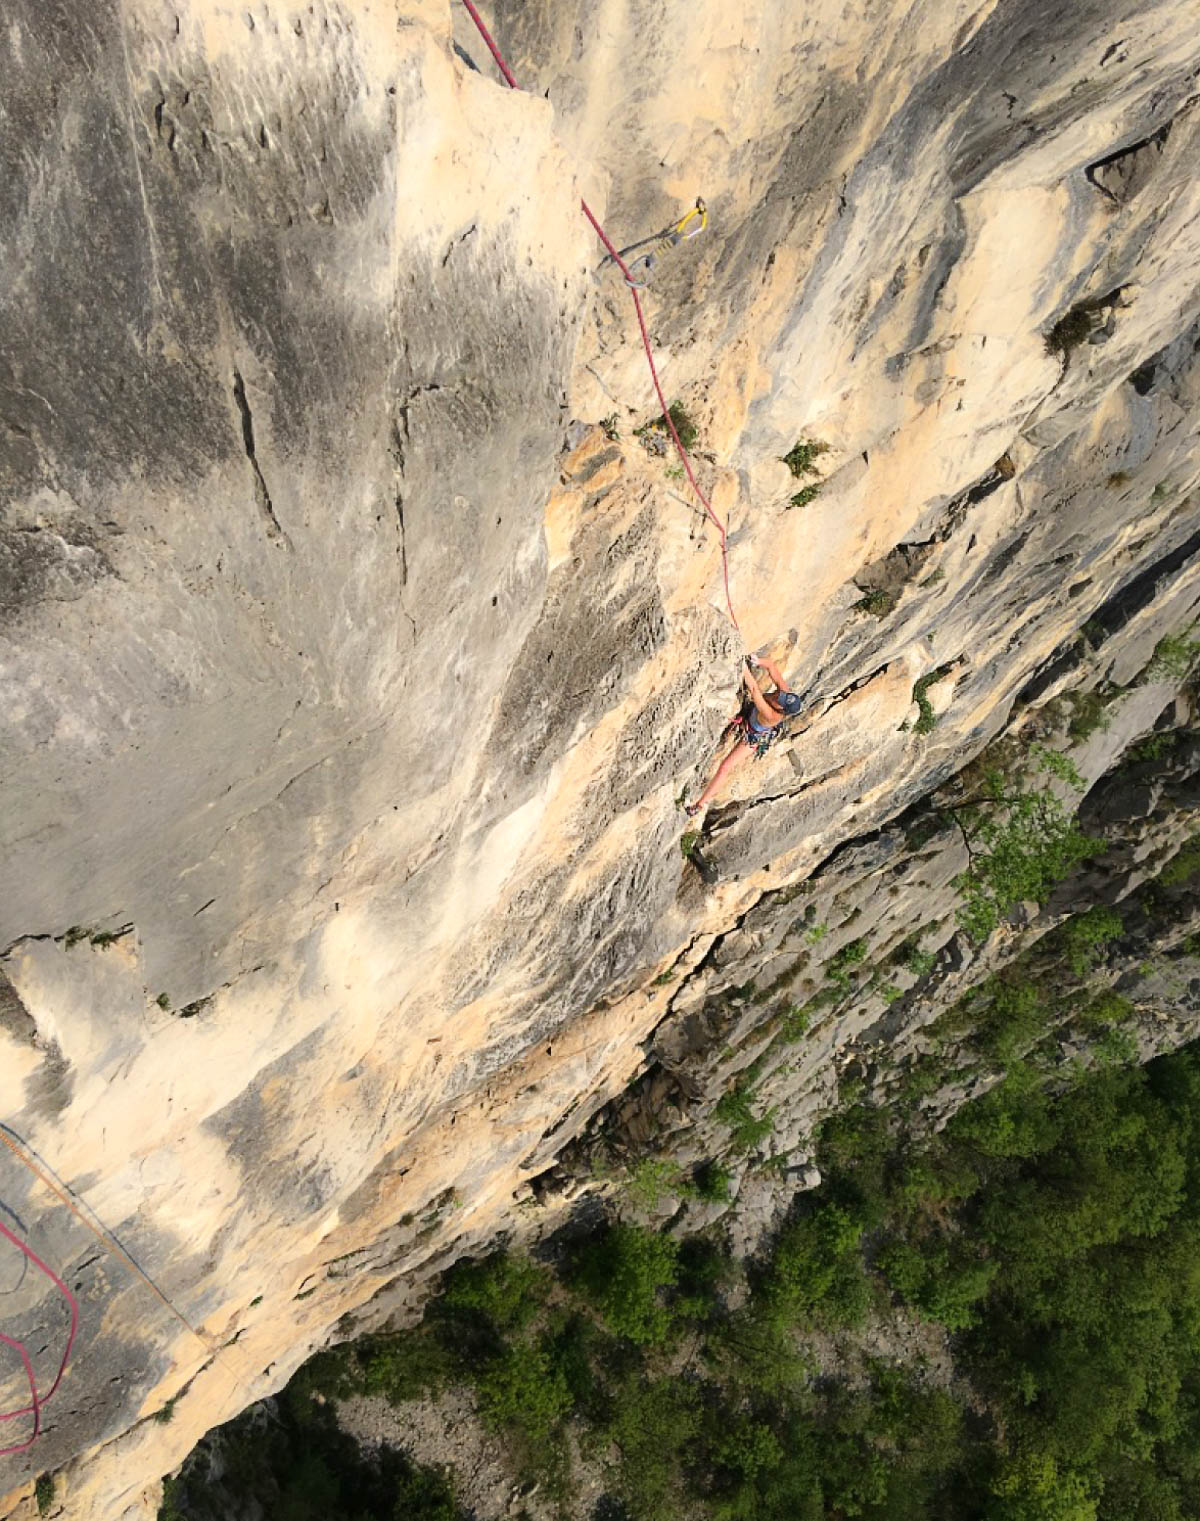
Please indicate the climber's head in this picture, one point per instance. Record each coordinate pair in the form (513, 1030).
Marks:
(789, 702)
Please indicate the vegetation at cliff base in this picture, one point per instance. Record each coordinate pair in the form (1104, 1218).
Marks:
(1043, 1250)
(991, 1321)
(287, 1460)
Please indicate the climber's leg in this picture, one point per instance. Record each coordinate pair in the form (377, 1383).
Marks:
(734, 759)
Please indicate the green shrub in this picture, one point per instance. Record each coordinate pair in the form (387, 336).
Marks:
(747, 1129)
(1071, 330)
(852, 1146)
(43, 1492)
(750, 1352)
(703, 1268)
(1089, 712)
(404, 1365)
(816, 1275)
(1032, 1487)
(523, 1391)
(1104, 1011)
(1011, 1120)
(749, 1461)
(794, 1024)
(685, 428)
(1022, 841)
(747, 1448)
(953, 1296)
(1013, 1020)
(1116, 1048)
(651, 1179)
(802, 456)
(1174, 656)
(713, 1182)
(920, 963)
(1183, 865)
(1086, 935)
(1093, 632)
(838, 968)
(424, 1494)
(169, 1509)
(905, 1267)
(334, 1374)
(622, 1273)
(1154, 747)
(805, 495)
(945, 1281)
(653, 1428)
(505, 1289)
(878, 603)
(927, 719)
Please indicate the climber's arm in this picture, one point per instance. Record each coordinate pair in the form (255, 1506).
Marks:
(774, 672)
(769, 715)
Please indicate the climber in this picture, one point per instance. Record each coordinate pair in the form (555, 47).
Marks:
(756, 724)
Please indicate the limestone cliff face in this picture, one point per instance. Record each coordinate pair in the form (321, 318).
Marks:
(352, 672)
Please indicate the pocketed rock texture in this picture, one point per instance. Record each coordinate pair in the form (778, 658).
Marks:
(353, 666)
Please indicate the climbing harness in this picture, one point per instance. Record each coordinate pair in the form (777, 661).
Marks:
(748, 733)
(689, 226)
(37, 1401)
(618, 260)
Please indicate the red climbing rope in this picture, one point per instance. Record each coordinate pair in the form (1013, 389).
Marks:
(34, 1408)
(487, 37)
(637, 306)
(19, 1348)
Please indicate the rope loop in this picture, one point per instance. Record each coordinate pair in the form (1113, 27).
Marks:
(680, 231)
(36, 1400)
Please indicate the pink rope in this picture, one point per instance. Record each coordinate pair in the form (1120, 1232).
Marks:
(487, 37)
(34, 1408)
(722, 533)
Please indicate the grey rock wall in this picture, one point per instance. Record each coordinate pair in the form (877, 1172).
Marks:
(352, 670)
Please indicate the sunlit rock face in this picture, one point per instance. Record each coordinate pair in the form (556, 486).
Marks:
(352, 670)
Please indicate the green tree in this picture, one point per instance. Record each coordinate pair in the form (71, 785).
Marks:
(1034, 1488)
(653, 1428)
(816, 1274)
(523, 1390)
(623, 1273)
(1021, 839)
